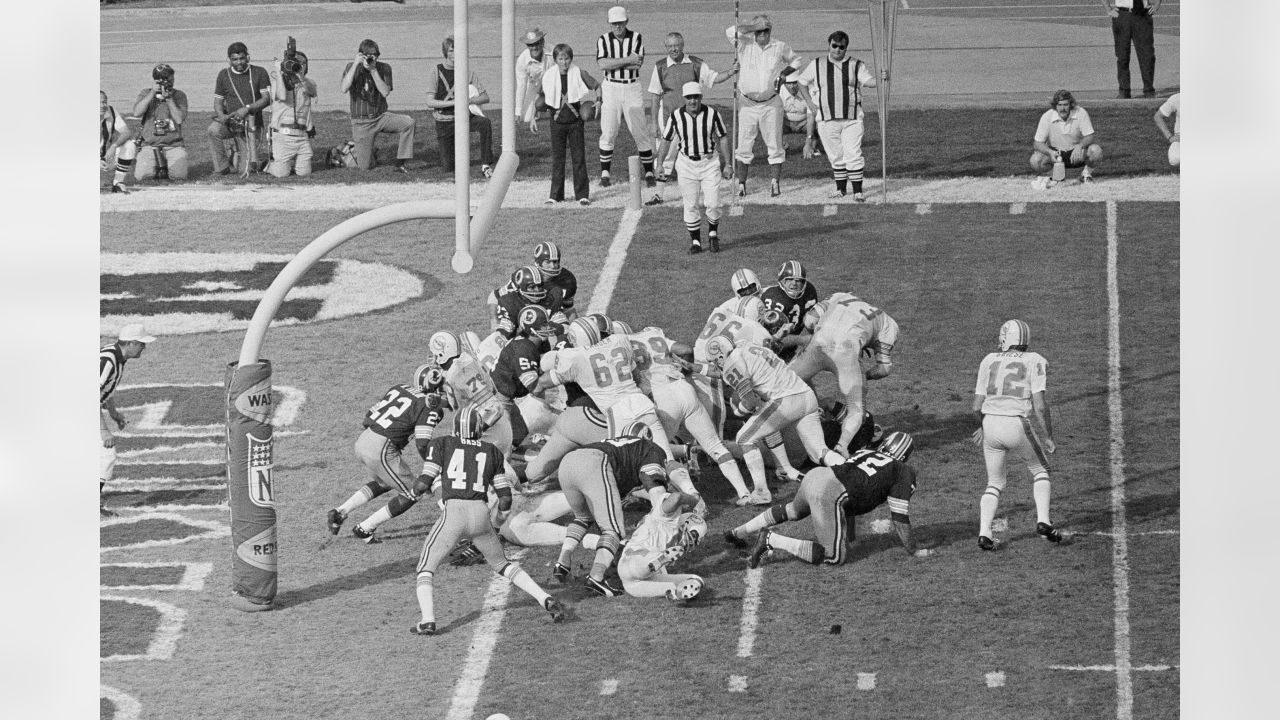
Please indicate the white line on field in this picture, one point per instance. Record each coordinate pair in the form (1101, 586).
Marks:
(737, 683)
(995, 679)
(608, 687)
(866, 681)
(750, 607)
(476, 666)
(127, 706)
(1112, 668)
(923, 208)
(617, 255)
(1017, 208)
(1132, 534)
(828, 210)
(735, 210)
(1120, 548)
(165, 638)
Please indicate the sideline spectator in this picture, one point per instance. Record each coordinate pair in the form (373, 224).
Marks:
(1064, 137)
(368, 81)
(441, 84)
(291, 122)
(114, 136)
(620, 53)
(564, 95)
(1172, 106)
(530, 65)
(133, 339)
(837, 81)
(765, 63)
(1131, 23)
(240, 93)
(666, 86)
(162, 110)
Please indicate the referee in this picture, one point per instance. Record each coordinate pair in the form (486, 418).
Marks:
(132, 341)
(832, 86)
(699, 129)
(620, 53)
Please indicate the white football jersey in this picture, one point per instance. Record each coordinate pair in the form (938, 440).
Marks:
(487, 350)
(467, 381)
(603, 371)
(753, 367)
(727, 318)
(654, 533)
(1008, 379)
(651, 349)
(850, 324)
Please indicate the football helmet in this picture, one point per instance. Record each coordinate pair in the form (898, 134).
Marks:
(535, 321)
(583, 332)
(718, 348)
(774, 321)
(444, 347)
(744, 282)
(618, 327)
(691, 528)
(528, 282)
(546, 257)
(468, 423)
(792, 278)
(1014, 333)
(897, 444)
(637, 429)
(602, 323)
(428, 377)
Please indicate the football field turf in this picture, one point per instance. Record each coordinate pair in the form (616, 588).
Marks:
(1088, 628)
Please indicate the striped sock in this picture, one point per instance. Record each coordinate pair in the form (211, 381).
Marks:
(122, 170)
(713, 228)
(842, 179)
(695, 231)
(646, 161)
(856, 176)
(606, 160)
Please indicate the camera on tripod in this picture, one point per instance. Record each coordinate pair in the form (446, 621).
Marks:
(291, 67)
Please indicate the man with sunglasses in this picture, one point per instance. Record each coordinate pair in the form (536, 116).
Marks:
(832, 86)
(764, 64)
(368, 82)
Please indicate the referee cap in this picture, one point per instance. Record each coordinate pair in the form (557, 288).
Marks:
(617, 13)
(691, 88)
(135, 333)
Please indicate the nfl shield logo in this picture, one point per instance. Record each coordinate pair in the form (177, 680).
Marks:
(259, 474)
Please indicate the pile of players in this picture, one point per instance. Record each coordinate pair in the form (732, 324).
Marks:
(557, 415)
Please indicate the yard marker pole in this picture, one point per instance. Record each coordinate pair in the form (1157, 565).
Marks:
(733, 142)
(883, 15)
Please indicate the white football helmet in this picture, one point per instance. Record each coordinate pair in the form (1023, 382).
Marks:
(583, 332)
(744, 282)
(444, 347)
(718, 348)
(691, 528)
(619, 327)
(1014, 333)
(792, 278)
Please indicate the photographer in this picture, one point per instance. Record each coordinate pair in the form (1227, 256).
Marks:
(292, 93)
(162, 109)
(240, 94)
(368, 82)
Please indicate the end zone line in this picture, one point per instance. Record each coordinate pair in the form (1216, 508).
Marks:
(1115, 412)
(476, 666)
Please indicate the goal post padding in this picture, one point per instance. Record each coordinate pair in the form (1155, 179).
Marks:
(250, 450)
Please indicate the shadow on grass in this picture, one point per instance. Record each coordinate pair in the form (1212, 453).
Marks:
(369, 576)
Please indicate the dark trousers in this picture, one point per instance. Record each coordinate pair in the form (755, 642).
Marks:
(444, 140)
(570, 134)
(1139, 30)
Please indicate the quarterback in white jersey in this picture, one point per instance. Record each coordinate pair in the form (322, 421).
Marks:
(1008, 397)
(843, 326)
(466, 381)
(663, 536)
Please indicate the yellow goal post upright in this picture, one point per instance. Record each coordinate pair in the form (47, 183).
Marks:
(884, 18)
(250, 445)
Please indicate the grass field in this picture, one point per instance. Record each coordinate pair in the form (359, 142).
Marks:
(1028, 631)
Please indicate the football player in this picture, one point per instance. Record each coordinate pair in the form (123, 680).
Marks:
(409, 410)
(794, 296)
(516, 371)
(834, 496)
(664, 536)
(546, 257)
(466, 381)
(1010, 394)
(728, 315)
(844, 327)
(463, 467)
(526, 286)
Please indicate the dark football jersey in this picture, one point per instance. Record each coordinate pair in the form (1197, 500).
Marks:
(567, 283)
(630, 457)
(467, 468)
(399, 413)
(510, 302)
(872, 477)
(517, 368)
(774, 298)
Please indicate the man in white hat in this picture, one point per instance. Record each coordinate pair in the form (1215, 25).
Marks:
(764, 63)
(699, 130)
(620, 53)
(532, 62)
(132, 341)
(669, 76)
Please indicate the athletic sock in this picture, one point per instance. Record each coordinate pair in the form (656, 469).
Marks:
(426, 600)
(754, 459)
(713, 228)
(606, 160)
(987, 509)
(806, 550)
(695, 232)
(521, 579)
(1040, 490)
(729, 468)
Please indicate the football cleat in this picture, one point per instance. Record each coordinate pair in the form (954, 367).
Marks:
(898, 444)
(695, 247)
(759, 550)
(605, 180)
(561, 573)
(602, 587)
(466, 554)
(859, 197)
(792, 278)
(655, 200)
(784, 476)
(555, 608)
(775, 188)
(715, 242)
(365, 535)
(685, 591)
(650, 180)
(335, 519)
(760, 497)
(119, 188)
(426, 628)
(742, 189)
(734, 540)
(1048, 532)
(986, 543)
(1014, 334)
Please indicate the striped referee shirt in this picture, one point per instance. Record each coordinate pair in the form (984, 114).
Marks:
(612, 47)
(839, 87)
(110, 368)
(698, 132)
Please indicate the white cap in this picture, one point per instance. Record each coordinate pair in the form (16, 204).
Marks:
(617, 13)
(691, 88)
(135, 333)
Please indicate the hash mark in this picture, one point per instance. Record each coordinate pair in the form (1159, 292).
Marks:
(923, 208)
(1017, 208)
(608, 687)
(737, 683)
(995, 679)
(828, 210)
(866, 681)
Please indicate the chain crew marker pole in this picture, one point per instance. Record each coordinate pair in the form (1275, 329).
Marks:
(883, 15)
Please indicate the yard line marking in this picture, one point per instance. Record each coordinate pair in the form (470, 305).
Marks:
(476, 666)
(737, 683)
(1148, 532)
(735, 210)
(828, 210)
(1017, 208)
(193, 575)
(923, 208)
(1115, 411)
(866, 681)
(612, 269)
(127, 706)
(608, 687)
(995, 679)
(750, 608)
(1111, 668)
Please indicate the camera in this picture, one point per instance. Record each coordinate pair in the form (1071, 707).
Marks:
(291, 66)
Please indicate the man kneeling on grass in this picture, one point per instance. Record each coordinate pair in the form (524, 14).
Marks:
(1064, 139)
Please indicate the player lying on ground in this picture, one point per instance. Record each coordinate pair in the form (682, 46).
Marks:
(664, 536)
